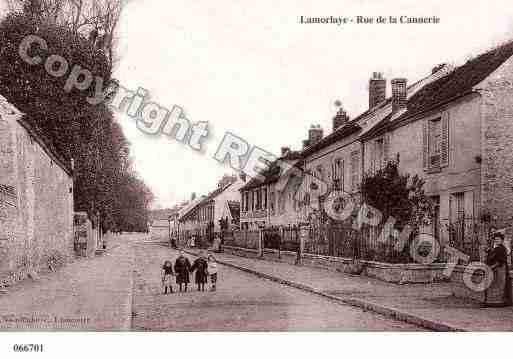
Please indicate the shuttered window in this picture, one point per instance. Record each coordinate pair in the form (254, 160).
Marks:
(436, 142)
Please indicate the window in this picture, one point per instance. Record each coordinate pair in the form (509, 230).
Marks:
(459, 201)
(434, 142)
(379, 154)
(320, 172)
(258, 199)
(338, 173)
(265, 197)
(355, 169)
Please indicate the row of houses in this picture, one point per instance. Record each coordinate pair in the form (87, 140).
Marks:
(453, 128)
(206, 215)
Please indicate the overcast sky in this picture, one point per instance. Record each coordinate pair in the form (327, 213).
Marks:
(256, 71)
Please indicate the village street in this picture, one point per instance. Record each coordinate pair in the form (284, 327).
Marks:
(121, 290)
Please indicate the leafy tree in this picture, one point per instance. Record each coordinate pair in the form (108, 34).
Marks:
(104, 181)
(397, 195)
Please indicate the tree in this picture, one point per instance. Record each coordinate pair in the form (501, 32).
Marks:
(96, 19)
(104, 181)
(397, 195)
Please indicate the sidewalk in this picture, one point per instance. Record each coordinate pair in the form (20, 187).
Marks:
(88, 294)
(431, 306)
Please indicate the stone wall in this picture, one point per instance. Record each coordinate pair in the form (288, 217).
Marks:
(497, 143)
(36, 229)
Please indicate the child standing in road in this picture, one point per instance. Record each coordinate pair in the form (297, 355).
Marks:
(212, 272)
(167, 276)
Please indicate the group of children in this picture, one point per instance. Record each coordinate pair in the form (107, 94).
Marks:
(205, 266)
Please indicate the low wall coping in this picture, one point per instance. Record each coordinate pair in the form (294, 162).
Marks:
(241, 248)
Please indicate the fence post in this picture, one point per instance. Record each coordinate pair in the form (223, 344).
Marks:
(282, 233)
(260, 251)
(304, 233)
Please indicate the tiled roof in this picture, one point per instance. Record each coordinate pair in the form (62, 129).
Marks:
(207, 199)
(346, 130)
(457, 83)
(272, 174)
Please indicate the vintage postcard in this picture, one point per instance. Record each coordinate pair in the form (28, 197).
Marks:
(236, 166)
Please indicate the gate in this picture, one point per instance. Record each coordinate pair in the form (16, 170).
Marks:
(336, 240)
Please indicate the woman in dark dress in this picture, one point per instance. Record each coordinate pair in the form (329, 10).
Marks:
(182, 269)
(498, 294)
(200, 265)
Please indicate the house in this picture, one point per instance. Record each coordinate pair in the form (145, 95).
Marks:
(204, 217)
(272, 201)
(36, 198)
(453, 128)
(456, 134)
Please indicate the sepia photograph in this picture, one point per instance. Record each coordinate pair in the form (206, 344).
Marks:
(229, 168)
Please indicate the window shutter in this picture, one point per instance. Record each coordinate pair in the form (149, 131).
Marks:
(425, 144)
(444, 140)
(373, 155)
(386, 148)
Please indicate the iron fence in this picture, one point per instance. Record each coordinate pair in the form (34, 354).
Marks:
(469, 236)
(342, 240)
(242, 238)
(281, 238)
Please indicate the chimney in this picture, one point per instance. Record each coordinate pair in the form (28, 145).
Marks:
(306, 143)
(314, 134)
(340, 119)
(242, 176)
(377, 89)
(398, 94)
(284, 151)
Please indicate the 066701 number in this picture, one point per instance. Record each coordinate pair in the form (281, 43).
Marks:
(28, 348)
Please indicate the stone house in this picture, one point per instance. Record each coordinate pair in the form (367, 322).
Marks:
(455, 133)
(36, 199)
(453, 128)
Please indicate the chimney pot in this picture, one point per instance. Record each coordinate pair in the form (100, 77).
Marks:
(340, 119)
(398, 94)
(377, 89)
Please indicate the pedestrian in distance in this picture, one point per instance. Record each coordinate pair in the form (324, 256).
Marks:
(212, 272)
(167, 276)
(182, 269)
(200, 265)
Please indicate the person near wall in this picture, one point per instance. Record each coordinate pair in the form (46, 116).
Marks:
(182, 269)
(498, 293)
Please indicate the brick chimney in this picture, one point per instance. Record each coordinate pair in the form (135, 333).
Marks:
(315, 134)
(398, 94)
(340, 119)
(377, 89)
(284, 151)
